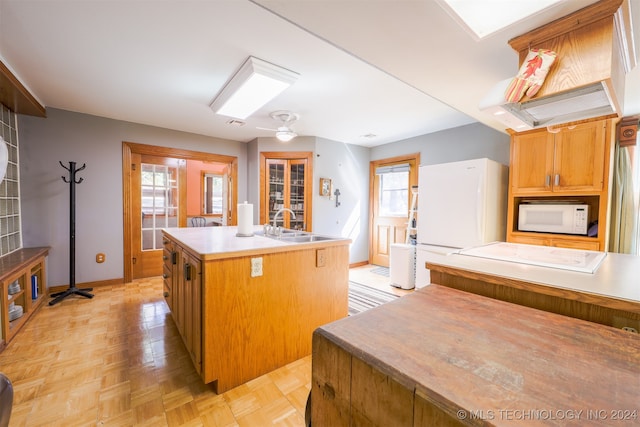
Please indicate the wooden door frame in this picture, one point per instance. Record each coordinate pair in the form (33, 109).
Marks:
(128, 148)
(413, 180)
(308, 191)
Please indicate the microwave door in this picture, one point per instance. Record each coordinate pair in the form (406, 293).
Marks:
(554, 218)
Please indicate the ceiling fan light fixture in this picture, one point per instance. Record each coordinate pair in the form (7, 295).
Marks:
(252, 86)
(285, 135)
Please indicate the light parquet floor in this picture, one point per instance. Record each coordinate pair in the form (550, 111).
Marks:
(364, 275)
(118, 360)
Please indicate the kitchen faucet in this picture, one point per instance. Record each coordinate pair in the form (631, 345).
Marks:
(279, 212)
(275, 229)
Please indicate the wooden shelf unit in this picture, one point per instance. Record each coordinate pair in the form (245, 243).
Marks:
(22, 267)
(285, 182)
(570, 166)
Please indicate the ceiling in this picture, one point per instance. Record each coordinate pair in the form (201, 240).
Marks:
(390, 68)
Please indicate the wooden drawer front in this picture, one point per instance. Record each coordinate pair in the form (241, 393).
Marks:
(167, 276)
(168, 256)
(558, 242)
(168, 295)
(575, 244)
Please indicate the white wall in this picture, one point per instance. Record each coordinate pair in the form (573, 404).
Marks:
(348, 168)
(66, 136)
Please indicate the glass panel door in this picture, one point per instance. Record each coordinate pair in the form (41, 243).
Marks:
(276, 173)
(159, 185)
(296, 194)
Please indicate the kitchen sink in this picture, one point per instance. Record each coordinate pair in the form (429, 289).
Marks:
(304, 238)
(295, 236)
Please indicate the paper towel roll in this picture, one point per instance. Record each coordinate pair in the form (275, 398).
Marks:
(245, 219)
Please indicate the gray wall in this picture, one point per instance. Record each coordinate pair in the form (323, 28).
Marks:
(348, 167)
(66, 136)
(462, 143)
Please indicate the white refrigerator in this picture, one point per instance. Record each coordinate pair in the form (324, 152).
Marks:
(460, 204)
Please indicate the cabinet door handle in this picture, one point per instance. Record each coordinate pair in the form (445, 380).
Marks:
(166, 294)
(187, 272)
(556, 180)
(164, 257)
(165, 275)
(547, 181)
(174, 258)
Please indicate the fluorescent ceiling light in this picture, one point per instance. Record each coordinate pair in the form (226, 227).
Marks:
(482, 18)
(256, 83)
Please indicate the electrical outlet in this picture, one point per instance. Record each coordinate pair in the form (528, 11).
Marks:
(256, 267)
(100, 258)
(627, 324)
(321, 257)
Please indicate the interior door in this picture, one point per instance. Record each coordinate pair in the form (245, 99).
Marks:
(132, 159)
(390, 197)
(157, 186)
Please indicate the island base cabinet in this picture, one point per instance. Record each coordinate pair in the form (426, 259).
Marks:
(427, 413)
(190, 302)
(183, 290)
(347, 391)
(254, 325)
(330, 384)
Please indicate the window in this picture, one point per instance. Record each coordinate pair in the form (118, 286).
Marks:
(394, 190)
(10, 228)
(213, 193)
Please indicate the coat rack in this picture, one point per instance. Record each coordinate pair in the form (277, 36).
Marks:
(72, 181)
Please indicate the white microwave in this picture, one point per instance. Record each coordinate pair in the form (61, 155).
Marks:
(554, 218)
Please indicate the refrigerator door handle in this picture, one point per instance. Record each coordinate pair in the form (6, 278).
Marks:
(480, 215)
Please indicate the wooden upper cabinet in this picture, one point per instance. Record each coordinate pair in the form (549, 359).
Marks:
(579, 158)
(569, 161)
(532, 162)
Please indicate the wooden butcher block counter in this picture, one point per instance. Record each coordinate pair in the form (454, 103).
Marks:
(444, 357)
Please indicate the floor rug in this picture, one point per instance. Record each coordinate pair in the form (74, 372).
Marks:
(362, 297)
(383, 271)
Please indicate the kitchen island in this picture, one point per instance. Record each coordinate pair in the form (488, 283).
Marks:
(610, 295)
(246, 306)
(443, 357)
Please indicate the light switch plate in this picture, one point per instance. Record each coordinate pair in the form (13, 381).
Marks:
(256, 267)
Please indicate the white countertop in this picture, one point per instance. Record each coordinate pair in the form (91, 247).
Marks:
(618, 275)
(222, 242)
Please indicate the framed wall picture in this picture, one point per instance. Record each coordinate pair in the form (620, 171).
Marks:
(325, 187)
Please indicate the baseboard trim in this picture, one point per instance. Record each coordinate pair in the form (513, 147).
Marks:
(358, 264)
(96, 284)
